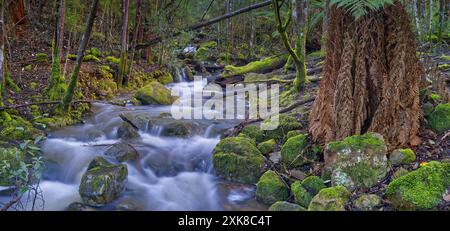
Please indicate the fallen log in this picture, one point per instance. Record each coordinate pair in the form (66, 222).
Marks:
(262, 66)
(58, 102)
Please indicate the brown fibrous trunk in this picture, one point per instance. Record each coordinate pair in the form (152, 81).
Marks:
(371, 79)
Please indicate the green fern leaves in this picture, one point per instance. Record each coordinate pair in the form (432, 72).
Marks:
(359, 8)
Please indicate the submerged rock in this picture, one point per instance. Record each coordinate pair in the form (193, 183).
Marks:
(103, 182)
(367, 202)
(79, 207)
(154, 93)
(330, 199)
(281, 206)
(181, 129)
(358, 161)
(238, 160)
(271, 188)
(421, 189)
(122, 152)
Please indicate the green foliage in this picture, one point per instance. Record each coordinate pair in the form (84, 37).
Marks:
(271, 188)
(439, 119)
(112, 59)
(41, 57)
(359, 8)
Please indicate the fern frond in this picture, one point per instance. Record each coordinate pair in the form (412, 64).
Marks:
(359, 8)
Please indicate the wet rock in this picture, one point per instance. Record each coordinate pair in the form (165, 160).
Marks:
(267, 147)
(154, 93)
(367, 202)
(103, 182)
(294, 133)
(254, 132)
(280, 206)
(399, 173)
(128, 205)
(127, 132)
(358, 161)
(122, 152)
(271, 188)
(181, 129)
(275, 157)
(294, 153)
(402, 156)
(238, 160)
(305, 190)
(421, 189)
(79, 207)
(285, 124)
(330, 199)
(94, 134)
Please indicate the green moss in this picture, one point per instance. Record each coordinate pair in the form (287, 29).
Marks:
(301, 195)
(358, 142)
(254, 132)
(285, 124)
(435, 97)
(41, 58)
(95, 52)
(291, 134)
(112, 59)
(445, 57)
(402, 156)
(154, 93)
(202, 54)
(28, 67)
(15, 128)
(316, 54)
(267, 146)
(367, 202)
(444, 67)
(33, 85)
(271, 188)
(285, 206)
(72, 57)
(421, 189)
(439, 119)
(294, 152)
(89, 58)
(238, 159)
(209, 44)
(13, 157)
(399, 173)
(313, 184)
(262, 66)
(330, 199)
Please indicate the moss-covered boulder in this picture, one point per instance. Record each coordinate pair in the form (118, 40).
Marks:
(239, 160)
(103, 182)
(13, 157)
(122, 152)
(294, 152)
(421, 189)
(154, 93)
(261, 66)
(285, 124)
(358, 161)
(330, 199)
(180, 129)
(293, 134)
(271, 188)
(267, 147)
(127, 132)
(254, 132)
(439, 119)
(402, 156)
(284, 206)
(367, 202)
(305, 190)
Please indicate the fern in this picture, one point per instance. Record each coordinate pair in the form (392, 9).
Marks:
(359, 8)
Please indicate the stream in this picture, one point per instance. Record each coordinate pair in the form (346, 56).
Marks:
(173, 173)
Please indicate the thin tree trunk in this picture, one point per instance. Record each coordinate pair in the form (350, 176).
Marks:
(123, 44)
(301, 29)
(422, 10)
(3, 63)
(430, 24)
(62, 16)
(83, 44)
(416, 17)
(135, 38)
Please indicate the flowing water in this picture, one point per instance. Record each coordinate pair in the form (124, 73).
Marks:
(172, 174)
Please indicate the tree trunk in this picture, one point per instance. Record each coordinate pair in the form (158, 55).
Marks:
(430, 24)
(3, 63)
(325, 24)
(443, 17)
(300, 18)
(416, 17)
(18, 14)
(62, 17)
(83, 44)
(371, 79)
(123, 44)
(137, 27)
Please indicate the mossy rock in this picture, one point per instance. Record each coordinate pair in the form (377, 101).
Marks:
(402, 156)
(367, 202)
(41, 58)
(294, 152)
(285, 124)
(238, 160)
(103, 182)
(358, 161)
(154, 93)
(444, 67)
(330, 199)
(399, 173)
(113, 60)
(181, 129)
(293, 134)
(202, 54)
(271, 188)
(127, 132)
(261, 66)
(15, 128)
(12, 156)
(439, 119)
(445, 57)
(267, 147)
(90, 58)
(305, 190)
(254, 132)
(284, 206)
(421, 189)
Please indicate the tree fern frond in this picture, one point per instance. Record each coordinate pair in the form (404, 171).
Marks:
(359, 8)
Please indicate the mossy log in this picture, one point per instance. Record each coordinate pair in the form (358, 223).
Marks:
(262, 66)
